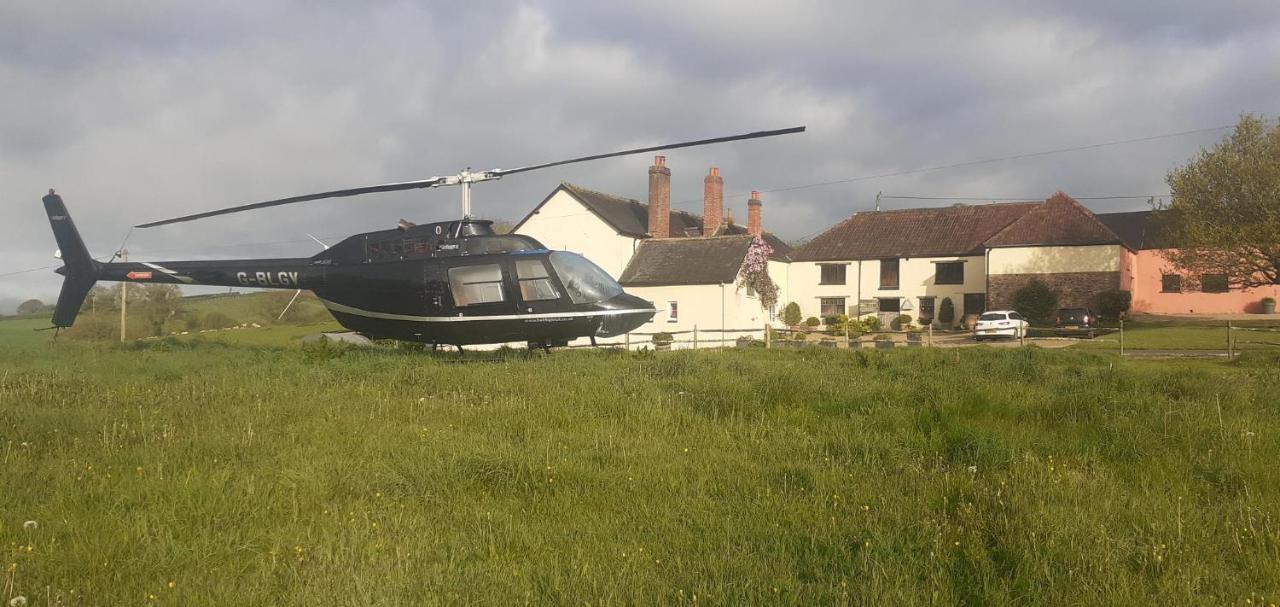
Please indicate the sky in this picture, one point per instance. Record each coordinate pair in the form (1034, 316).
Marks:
(137, 111)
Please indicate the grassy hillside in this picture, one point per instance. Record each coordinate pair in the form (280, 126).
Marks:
(205, 474)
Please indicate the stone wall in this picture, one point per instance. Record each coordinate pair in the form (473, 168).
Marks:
(1074, 289)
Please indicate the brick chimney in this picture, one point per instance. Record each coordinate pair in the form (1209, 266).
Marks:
(755, 227)
(659, 198)
(712, 202)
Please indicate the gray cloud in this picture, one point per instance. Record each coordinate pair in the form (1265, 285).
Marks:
(139, 110)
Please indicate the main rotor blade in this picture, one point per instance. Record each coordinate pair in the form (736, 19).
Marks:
(670, 146)
(386, 187)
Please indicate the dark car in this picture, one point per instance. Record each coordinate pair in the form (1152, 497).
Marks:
(1075, 322)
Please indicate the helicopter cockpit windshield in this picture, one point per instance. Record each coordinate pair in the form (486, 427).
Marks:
(585, 281)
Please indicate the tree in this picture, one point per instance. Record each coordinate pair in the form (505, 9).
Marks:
(946, 312)
(754, 273)
(1036, 301)
(1224, 216)
(99, 298)
(791, 314)
(31, 306)
(159, 302)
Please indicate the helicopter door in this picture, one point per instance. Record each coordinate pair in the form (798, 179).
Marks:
(480, 290)
(538, 291)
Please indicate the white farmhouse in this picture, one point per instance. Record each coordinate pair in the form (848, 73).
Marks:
(686, 264)
(887, 263)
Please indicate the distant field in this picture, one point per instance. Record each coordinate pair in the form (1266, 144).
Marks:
(195, 473)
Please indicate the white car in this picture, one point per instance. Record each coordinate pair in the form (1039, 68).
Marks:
(1000, 323)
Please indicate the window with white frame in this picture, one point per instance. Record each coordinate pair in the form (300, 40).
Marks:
(673, 311)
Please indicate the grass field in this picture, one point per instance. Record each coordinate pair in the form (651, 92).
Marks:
(200, 473)
(1191, 335)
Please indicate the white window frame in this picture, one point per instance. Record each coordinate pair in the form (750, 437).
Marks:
(673, 311)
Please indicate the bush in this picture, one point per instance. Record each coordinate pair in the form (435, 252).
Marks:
(1036, 301)
(1266, 301)
(872, 323)
(946, 312)
(791, 314)
(901, 323)
(216, 320)
(855, 326)
(812, 321)
(1112, 304)
(663, 338)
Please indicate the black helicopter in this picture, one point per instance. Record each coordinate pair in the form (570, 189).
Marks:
(445, 283)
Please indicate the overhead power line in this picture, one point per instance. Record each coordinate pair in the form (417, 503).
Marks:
(27, 271)
(957, 165)
(1020, 198)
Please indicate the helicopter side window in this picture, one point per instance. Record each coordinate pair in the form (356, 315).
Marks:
(535, 282)
(472, 285)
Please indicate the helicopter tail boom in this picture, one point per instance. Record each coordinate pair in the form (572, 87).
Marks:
(82, 272)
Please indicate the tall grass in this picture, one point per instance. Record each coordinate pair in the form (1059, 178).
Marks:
(204, 474)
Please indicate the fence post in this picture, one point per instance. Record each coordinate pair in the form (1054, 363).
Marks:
(1229, 352)
(767, 334)
(695, 337)
(1121, 337)
(626, 341)
(930, 335)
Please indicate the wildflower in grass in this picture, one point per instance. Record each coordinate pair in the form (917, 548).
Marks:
(31, 525)
(173, 584)
(973, 469)
(18, 601)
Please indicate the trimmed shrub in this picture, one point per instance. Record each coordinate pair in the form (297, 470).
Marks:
(1036, 301)
(901, 323)
(872, 323)
(791, 314)
(1112, 304)
(812, 321)
(946, 312)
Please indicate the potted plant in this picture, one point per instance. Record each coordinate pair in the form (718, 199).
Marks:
(1268, 305)
(884, 342)
(662, 341)
(915, 338)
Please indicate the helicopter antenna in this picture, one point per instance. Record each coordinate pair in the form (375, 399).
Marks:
(464, 178)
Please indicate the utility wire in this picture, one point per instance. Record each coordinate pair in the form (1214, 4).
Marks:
(28, 271)
(1020, 198)
(969, 163)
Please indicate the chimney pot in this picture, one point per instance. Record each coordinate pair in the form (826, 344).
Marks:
(755, 223)
(659, 198)
(712, 202)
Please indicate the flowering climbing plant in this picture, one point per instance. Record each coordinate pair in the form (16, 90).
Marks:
(755, 273)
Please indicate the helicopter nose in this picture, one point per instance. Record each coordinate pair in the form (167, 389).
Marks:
(632, 313)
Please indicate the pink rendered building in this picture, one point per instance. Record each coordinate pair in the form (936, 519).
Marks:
(1158, 288)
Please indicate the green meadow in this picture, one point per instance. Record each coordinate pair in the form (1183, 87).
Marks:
(199, 472)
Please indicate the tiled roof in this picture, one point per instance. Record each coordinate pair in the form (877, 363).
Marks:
(686, 261)
(1060, 220)
(1138, 229)
(932, 232)
(630, 217)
